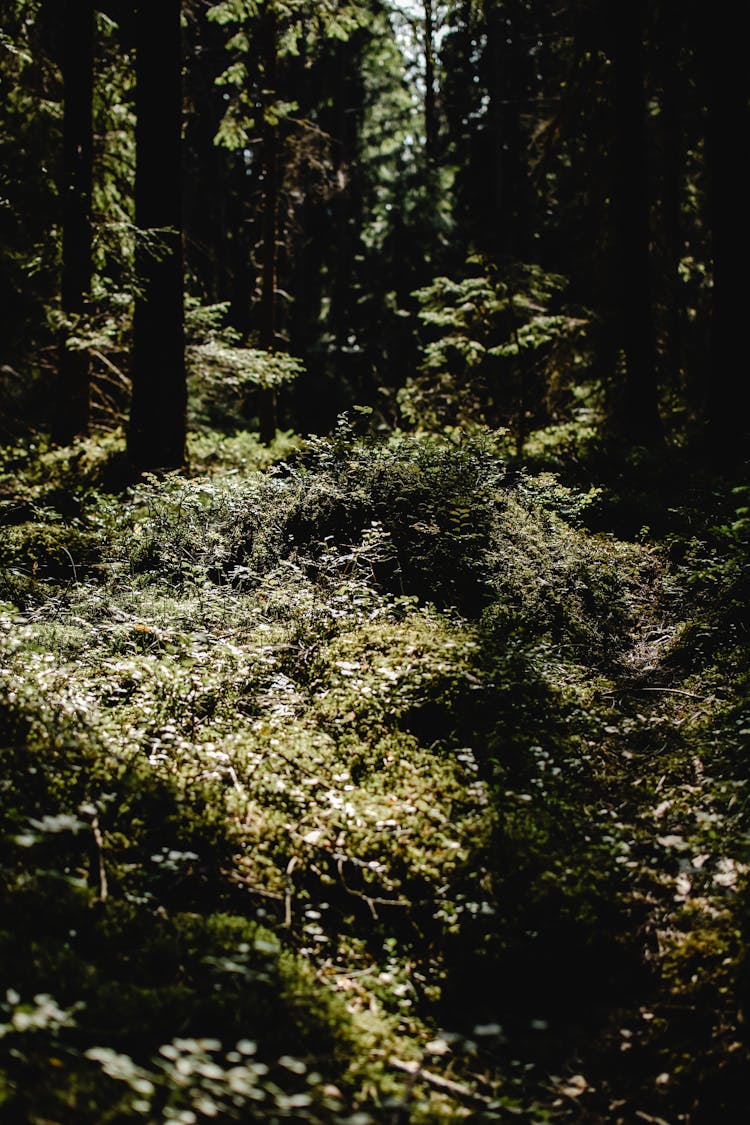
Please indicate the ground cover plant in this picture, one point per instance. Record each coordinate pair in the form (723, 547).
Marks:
(351, 788)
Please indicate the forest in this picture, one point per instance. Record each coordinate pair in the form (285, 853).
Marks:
(374, 563)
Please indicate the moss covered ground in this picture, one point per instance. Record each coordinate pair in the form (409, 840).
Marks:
(364, 781)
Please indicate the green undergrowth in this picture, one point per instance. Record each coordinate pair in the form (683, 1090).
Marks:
(303, 760)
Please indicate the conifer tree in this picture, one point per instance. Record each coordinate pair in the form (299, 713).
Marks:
(157, 431)
(631, 205)
(72, 414)
(727, 120)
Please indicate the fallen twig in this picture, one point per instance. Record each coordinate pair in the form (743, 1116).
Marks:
(671, 690)
(102, 872)
(438, 1082)
(650, 1118)
(235, 877)
(289, 892)
(679, 691)
(371, 900)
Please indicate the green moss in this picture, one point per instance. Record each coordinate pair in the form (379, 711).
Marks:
(309, 756)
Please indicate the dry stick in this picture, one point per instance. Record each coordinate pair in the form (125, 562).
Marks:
(371, 900)
(289, 892)
(677, 691)
(357, 894)
(297, 766)
(122, 379)
(235, 877)
(401, 1112)
(649, 1117)
(235, 781)
(99, 841)
(671, 690)
(72, 565)
(445, 1085)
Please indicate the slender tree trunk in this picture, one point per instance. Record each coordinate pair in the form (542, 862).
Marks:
(505, 84)
(304, 288)
(430, 111)
(340, 315)
(206, 169)
(72, 414)
(156, 436)
(672, 142)
(270, 221)
(632, 217)
(498, 236)
(727, 125)
(240, 229)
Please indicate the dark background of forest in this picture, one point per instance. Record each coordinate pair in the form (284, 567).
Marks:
(569, 169)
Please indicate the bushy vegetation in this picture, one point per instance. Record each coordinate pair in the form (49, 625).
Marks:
(304, 763)
(499, 345)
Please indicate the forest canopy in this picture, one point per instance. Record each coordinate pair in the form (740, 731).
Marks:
(457, 213)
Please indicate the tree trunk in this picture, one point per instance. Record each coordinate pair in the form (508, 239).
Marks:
(726, 128)
(640, 418)
(270, 221)
(156, 436)
(430, 112)
(500, 220)
(343, 264)
(72, 414)
(505, 83)
(672, 141)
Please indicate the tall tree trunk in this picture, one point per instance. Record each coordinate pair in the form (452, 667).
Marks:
(726, 128)
(307, 250)
(346, 130)
(270, 220)
(240, 229)
(156, 436)
(498, 235)
(430, 111)
(505, 83)
(206, 168)
(640, 418)
(72, 414)
(672, 134)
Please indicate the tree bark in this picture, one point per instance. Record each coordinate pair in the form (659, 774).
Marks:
(673, 159)
(505, 83)
(499, 236)
(630, 190)
(430, 111)
(72, 414)
(270, 222)
(156, 436)
(727, 124)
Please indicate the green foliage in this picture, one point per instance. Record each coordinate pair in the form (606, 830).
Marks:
(30, 128)
(223, 374)
(29, 134)
(495, 343)
(302, 764)
(297, 24)
(249, 725)
(111, 877)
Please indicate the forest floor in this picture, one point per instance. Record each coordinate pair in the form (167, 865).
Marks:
(362, 782)
(665, 1042)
